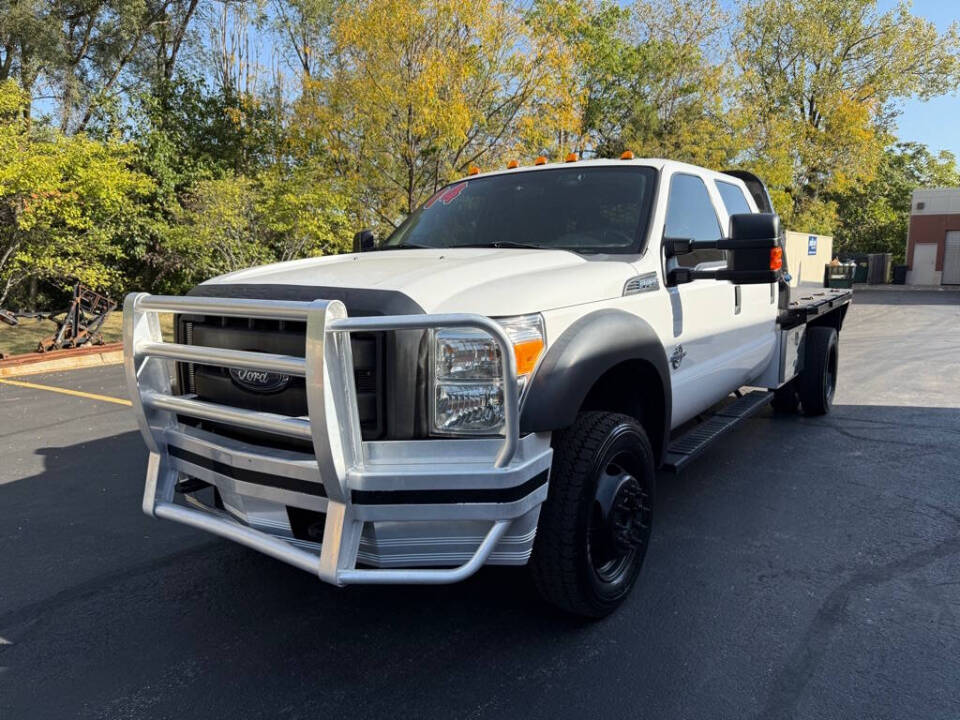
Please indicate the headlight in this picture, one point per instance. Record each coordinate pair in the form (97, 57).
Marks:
(467, 374)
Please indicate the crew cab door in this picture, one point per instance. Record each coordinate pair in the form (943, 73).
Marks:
(709, 330)
(755, 304)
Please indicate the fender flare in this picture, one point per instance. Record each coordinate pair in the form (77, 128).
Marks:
(579, 357)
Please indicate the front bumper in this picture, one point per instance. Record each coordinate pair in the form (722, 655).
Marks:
(400, 508)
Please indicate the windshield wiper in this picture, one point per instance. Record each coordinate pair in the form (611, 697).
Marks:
(406, 246)
(504, 244)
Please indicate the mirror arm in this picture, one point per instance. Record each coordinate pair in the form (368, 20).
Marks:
(681, 246)
(681, 275)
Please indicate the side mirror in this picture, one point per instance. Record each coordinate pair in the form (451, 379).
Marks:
(754, 245)
(364, 241)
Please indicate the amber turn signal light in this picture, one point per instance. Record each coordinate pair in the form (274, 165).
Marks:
(776, 258)
(527, 353)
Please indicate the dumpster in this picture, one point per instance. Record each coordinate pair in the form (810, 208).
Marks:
(862, 262)
(838, 275)
(878, 268)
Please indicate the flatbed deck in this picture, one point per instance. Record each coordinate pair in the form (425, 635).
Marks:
(806, 304)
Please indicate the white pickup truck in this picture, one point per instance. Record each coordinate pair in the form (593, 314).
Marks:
(497, 382)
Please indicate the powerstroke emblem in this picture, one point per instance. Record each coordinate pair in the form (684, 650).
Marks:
(259, 381)
(677, 357)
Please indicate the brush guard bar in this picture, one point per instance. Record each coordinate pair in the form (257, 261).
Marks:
(332, 423)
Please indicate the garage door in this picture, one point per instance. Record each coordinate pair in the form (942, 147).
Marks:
(951, 259)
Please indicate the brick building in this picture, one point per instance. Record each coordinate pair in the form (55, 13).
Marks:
(933, 240)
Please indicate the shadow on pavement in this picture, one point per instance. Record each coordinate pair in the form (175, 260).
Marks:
(749, 603)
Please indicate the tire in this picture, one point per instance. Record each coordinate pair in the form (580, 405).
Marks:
(818, 381)
(785, 399)
(595, 525)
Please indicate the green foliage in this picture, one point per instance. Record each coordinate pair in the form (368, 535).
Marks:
(140, 171)
(67, 204)
(233, 222)
(817, 87)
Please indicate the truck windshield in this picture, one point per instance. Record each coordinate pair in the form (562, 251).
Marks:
(584, 209)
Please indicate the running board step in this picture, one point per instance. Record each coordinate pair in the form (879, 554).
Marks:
(689, 446)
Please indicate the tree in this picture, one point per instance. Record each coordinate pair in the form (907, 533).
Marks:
(67, 204)
(649, 78)
(304, 29)
(234, 222)
(217, 230)
(873, 217)
(303, 212)
(818, 87)
(87, 54)
(685, 114)
(29, 39)
(419, 91)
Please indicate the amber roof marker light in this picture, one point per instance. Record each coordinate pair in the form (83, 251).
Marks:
(473, 170)
(626, 155)
(513, 164)
(540, 161)
(572, 157)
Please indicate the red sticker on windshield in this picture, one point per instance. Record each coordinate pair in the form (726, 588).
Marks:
(447, 195)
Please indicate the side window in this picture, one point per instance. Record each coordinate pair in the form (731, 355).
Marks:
(690, 215)
(733, 198)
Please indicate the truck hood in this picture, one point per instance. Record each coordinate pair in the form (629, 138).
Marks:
(489, 281)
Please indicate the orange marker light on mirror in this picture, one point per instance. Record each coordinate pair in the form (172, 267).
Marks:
(626, 155)
(776, 258)
(473, 170)
(540, 161)
(527, 352)
(572, 157)
(512, 164)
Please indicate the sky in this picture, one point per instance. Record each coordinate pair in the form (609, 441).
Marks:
(936, 122)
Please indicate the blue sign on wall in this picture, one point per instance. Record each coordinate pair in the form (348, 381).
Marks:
(812, 245)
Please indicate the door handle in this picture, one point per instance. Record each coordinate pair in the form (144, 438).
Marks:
(737, 300)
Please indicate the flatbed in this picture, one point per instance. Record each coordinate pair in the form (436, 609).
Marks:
(805, 304)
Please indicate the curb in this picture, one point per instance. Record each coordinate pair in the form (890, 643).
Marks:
(74, 359)
(906, 288)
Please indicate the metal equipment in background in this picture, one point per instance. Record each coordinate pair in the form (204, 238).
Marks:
(79, 325)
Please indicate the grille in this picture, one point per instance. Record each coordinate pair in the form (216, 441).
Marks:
(216, 384)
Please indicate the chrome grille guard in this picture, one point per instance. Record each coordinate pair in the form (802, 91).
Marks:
(332, 425)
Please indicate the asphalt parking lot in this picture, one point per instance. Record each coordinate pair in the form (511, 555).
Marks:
(804, 568)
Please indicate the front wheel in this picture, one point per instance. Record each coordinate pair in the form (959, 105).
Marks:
(595, 524)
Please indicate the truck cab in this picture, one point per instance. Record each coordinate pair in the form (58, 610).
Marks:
(496, 382)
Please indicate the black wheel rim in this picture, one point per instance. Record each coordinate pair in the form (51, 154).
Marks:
(619, 523)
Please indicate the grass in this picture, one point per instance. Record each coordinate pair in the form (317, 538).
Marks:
(24, 337)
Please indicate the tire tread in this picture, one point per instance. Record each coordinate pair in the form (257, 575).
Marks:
(554, 564)
(810, 382)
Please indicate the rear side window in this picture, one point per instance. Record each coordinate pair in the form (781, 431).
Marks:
(733, 198)
(690, 215)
